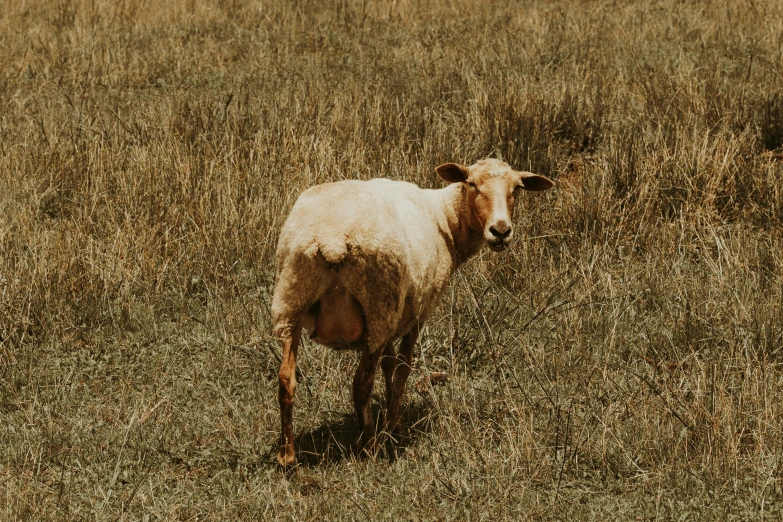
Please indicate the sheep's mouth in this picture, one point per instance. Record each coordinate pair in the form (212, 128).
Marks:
(497, 246)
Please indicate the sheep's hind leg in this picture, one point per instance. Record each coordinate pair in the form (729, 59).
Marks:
(287, 385)
(362, 391)
(401, 370)
(388, 363)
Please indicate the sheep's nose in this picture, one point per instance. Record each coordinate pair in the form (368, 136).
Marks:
(500, 230)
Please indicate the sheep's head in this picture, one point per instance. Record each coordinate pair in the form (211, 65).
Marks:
(491, 186)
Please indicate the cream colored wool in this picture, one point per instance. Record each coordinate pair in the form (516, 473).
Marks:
(391, 244)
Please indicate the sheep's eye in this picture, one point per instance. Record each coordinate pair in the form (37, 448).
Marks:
(471, 184)
(517, 188)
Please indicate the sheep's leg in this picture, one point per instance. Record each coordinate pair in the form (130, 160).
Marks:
(388, 364)
(362, 390)
(287, 384)
(402, 369)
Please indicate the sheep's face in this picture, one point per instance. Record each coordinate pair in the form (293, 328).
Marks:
(491, 186)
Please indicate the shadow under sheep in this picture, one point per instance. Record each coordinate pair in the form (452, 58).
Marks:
(337, 440)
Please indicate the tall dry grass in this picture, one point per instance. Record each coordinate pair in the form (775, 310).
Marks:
(622, 360)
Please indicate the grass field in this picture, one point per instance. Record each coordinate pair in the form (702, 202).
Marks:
(621, 361)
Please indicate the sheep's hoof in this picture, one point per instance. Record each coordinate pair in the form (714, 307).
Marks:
(286, 457)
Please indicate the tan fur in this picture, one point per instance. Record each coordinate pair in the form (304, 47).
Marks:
(362, 263)
(338, 318)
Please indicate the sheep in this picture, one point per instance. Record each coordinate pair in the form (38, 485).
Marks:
(363, 263)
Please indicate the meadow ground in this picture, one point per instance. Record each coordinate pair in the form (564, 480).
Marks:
(621, 361)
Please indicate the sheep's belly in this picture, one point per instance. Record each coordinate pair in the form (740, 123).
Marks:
(339, 321)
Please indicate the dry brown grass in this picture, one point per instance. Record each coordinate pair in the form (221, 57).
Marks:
(622, 361)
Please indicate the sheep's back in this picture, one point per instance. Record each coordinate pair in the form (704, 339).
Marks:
(383, 234)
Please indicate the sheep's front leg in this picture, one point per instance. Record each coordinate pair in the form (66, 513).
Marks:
(362, 390)
(401, 371)
(286, 387)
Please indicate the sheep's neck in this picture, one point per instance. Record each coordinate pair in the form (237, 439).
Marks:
(463, 239)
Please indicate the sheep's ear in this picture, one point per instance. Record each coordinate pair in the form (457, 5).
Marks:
(535, 182)
(452, 172)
